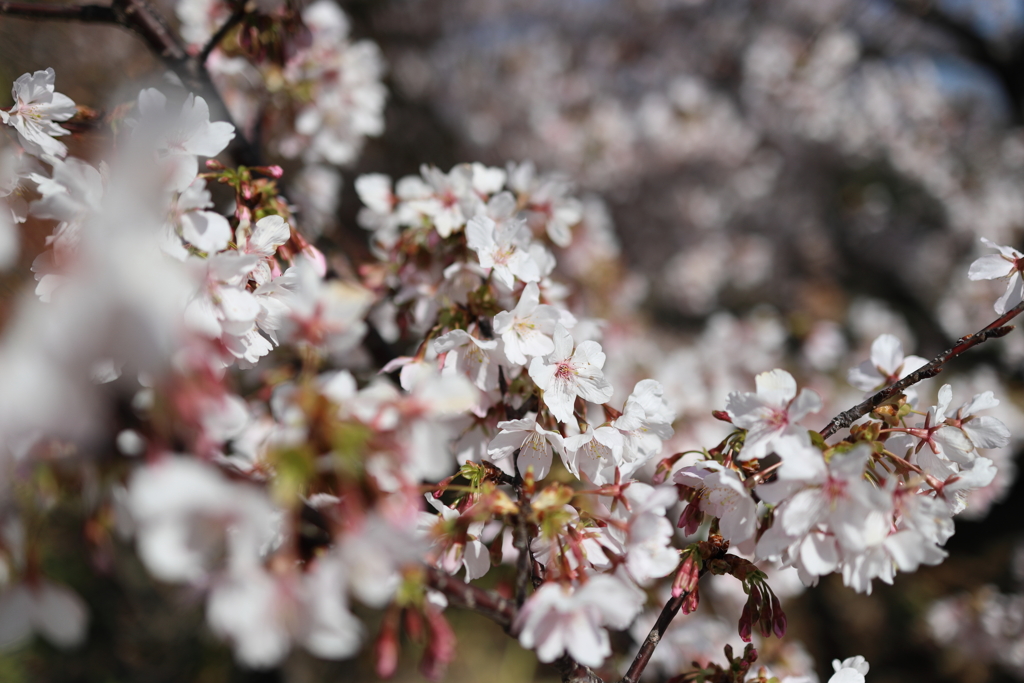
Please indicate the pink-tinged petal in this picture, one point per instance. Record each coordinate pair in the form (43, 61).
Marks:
(865, 376)
(987, 432)
(776, 387)
(847, 676)
(480, 236)
(563, 344)
(850, 465)
(477, 560)
(1008, 252)
(1013, 295)
(535, 452)
(560, 397)
(989, 267)
(523, 267)
(588, 353)
(595, 389)
(505, 444)
(819, 554)
(803, 511)
(542, 373)
(206, 230)
(955, 445)
(15, 616)
(980, 402)
(978, 474)
(887, 353)
(807, 402)
(60, 615)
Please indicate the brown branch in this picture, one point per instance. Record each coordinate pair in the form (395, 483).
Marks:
(237, 14)
(574, 672)
(139, 17)
(485, 602)
(646, 651)
(997, 328)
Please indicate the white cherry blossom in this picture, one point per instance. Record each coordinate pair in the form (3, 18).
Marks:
(770, 413)
(569, 373)
(535, 445)
(561, 619)
(526, 330)
(887, 365)
(1007, 264)
(503, 247)
(721, 493)
(36, 109)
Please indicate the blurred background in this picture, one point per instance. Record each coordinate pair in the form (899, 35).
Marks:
(776, 183)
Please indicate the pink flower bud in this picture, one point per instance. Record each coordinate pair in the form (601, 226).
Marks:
(440, 645)
(691, 518)
(385, 650)
(745, 623)
(778, 617)
(691, 601)
(686, 576)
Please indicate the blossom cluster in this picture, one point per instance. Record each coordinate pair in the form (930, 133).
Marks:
(285, 464)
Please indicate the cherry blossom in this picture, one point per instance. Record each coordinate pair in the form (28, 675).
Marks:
(503, 248)
(534, 443)
(771, 412)
(561, 619)
(1006, 264)
(721, 493)
(570, 373)
(887, 365)
(36, 109)
(50, 609)
(181, 140)
(526, 330)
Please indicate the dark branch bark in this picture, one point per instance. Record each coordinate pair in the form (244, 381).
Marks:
(646, 651)
(485, 602)
(1006, 65)
(139, 17)
(574, 672)
(997, 328)
(237, 15)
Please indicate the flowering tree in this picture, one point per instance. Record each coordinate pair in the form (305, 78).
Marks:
(298, 440)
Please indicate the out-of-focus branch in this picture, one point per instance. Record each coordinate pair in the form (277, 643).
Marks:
(485, 602)
(997, 328)
(237, 14)
(1006, 64)
(574, 672)
(142, 19)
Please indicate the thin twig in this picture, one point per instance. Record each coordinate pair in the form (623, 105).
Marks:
(142, 19)
(574, 672)
(488, 603)
(997, 328)
(236, 16)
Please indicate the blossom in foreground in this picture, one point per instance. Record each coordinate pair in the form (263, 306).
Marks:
(52, 610)
(183, 139)
(964, 431)
(887, 365)
(561, 619)
(850, 670)
(770, 413)
(568, 374)
(1006, 264)
(36, 109)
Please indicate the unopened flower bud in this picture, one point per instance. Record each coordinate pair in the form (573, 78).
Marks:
(691, 601)
(686, 577)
